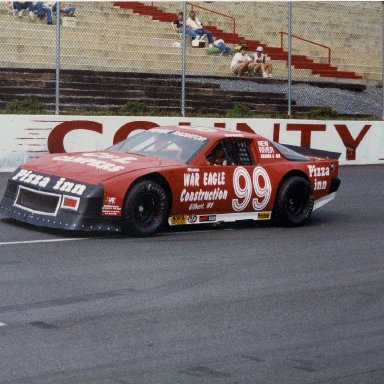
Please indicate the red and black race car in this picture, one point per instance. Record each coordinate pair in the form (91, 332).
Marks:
(175, 175)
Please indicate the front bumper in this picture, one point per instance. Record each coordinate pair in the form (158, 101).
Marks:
(35, 209)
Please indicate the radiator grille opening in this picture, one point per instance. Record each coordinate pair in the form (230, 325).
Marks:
(36, 201)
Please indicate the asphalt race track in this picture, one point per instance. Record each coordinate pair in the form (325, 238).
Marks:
(250, 305)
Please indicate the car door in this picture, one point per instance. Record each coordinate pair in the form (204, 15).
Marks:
(235, 186)
(249, 184)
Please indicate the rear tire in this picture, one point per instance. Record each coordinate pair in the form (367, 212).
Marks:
(294, 203)
(146, 208)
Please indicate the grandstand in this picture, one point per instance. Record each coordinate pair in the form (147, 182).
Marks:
(352, 30)
(107, 37)
(109, 91)
(122, 38)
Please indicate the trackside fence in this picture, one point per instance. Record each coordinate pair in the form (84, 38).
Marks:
(323, 55)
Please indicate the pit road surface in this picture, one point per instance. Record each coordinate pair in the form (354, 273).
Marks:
(258, 304)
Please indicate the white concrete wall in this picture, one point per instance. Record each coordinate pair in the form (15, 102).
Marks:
(24, 137)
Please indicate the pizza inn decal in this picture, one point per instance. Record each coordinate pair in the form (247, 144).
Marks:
(61, 184)
(316, 173)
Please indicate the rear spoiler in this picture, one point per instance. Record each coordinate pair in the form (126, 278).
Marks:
(313, 152)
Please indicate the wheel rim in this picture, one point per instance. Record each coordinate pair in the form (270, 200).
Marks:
(147, 209)
(296, 201)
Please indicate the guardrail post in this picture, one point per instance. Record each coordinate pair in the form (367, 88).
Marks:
(183, 60)
(382, 59)
(57, 86)
(289, 58)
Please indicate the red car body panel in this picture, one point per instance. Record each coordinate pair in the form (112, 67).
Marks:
(198, 192)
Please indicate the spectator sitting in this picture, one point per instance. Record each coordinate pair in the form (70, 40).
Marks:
(237, 47)
(19, 7)
(262, 62)
(195, 24)
(68, 11)
(219, 43)
(42, 10)
(179, 27)
(241, 62)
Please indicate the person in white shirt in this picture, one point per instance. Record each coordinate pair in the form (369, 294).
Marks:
(179, 27)
(262, 62)
(241, 62)
(195, 24)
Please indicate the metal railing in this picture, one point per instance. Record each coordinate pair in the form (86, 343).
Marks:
(307, 41)
(216, 13)
(209, 10)
(106, 38)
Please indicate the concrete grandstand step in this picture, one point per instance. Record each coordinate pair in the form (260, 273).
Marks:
(305, 62)
(273, 16)
(73, 107)
(106, 32)
(112, 49)
(10, 92)
(247, 97)
(160, 91)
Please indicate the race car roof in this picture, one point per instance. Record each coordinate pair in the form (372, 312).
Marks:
(208, 132)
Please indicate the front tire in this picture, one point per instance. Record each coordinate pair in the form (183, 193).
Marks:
(294, 203)
(146, 208)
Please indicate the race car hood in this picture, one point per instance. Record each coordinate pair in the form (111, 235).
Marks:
(95, 167)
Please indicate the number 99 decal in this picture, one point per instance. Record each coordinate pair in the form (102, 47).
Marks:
(242, 185)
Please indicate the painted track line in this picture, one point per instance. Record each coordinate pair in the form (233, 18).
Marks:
(87, 238)
(41, 241)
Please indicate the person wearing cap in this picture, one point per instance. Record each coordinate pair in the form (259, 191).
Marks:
(241, 62)
(262, 62)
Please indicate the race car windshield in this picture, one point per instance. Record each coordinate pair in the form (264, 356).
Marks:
(173, 145)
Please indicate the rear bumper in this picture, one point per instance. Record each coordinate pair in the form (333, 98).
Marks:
(324, 200)
(335, 183)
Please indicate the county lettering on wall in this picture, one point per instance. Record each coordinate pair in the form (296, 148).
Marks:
(28, 137)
